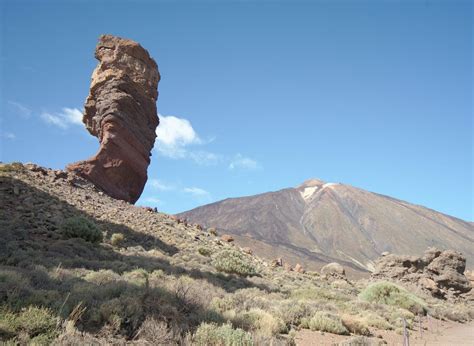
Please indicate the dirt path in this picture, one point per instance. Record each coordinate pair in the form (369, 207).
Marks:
(434, 332)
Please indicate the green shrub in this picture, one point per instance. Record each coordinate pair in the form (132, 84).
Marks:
(391, 294)
(260, 321)
(325, 322)
(204, 251)
(320, 293)
(213, 334)
(32, 323)
(292, 311)
(102, 277)
(137, 277)
(117, 239)
(376, 321)
(80, 227)
(233, 262)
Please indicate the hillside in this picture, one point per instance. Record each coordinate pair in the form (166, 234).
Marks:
(79, 267)
(317, 222)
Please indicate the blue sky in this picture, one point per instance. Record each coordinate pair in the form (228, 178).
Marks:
(258, 96)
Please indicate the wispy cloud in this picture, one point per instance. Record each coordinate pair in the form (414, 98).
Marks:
(7, 135)
(242, 162)
(63, 119)
(160, 185)
(196, 191)
(152, 200)
(20, 109)
(204, 158)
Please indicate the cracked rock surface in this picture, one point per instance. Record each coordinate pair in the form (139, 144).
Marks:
(121, 111)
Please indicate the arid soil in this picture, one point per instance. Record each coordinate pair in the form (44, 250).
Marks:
(434, 332)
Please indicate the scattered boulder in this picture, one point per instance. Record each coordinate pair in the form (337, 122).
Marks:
(334, 270)
(247, 250)
(121, 111)
(212, 231)
(299, 268)
(227, 238)
(441, 273)
(278, 262)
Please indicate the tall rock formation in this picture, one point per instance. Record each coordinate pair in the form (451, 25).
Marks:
(121, 111)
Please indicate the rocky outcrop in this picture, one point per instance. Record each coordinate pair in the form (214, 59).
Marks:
(441, 273)
(333, 270)
(121, 111)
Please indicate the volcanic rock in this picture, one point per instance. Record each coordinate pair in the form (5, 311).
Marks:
(299, 268)
(441, 273)
(333, 270)
(121, 111)
(227, 238)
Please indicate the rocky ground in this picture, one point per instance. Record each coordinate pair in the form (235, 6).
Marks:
(149, 278)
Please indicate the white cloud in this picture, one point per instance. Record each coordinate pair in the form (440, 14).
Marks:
(152, 200)
(196, 191)
(7, 135)
(173, 135)
(242, 162)
(160, 185)
(204, 158)
(63, 119)
(20, 109)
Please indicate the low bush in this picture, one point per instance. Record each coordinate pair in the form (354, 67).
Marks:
(325, 322)
(156, 332)
(292, 311)
(233, 262)
(391, 294)
(80, 227)
(102, 277)
(213, 334)
(117, 239)
(355, 325)
(376, 321)
(261, 322)
(33, 325)
(204, 251)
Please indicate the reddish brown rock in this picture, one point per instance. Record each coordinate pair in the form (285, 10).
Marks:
(278, 262)
(299, 268)
(247, 250)
(227, 238)
(121, 111)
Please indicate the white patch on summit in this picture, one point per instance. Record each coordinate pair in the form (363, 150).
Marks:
(329, 184)
(308, 192)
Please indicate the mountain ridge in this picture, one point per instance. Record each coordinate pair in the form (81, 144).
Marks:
(336, 221)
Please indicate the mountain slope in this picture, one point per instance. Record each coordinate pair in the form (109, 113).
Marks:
(318, 222)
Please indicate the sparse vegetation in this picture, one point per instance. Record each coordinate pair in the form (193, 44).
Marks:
(213, 334)
(80, 227)
(33, 325)
(117, 239)
(325, 322)
(159, 289)
(233, 262)
(394, 295)
(355, 325)
(205, 251)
